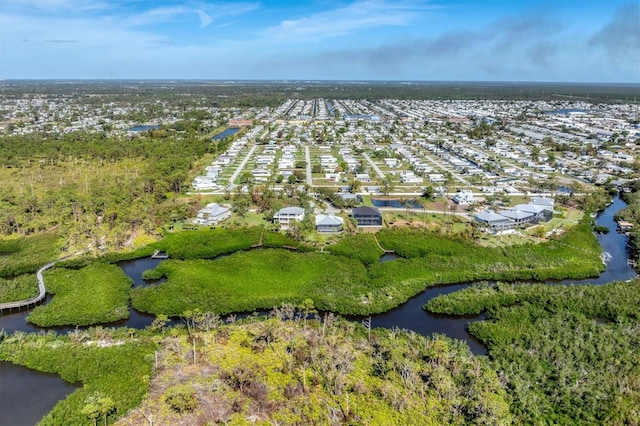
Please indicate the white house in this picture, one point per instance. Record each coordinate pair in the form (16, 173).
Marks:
(542, 201)
(363, 177)
(288, 214)
(410, 177)
(392, 162)
(204, 182)
(436, 177)
(464, 197)
(262, 173)
(211, 214)
(333, 177)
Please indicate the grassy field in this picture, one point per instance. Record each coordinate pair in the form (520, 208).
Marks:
(96, 294)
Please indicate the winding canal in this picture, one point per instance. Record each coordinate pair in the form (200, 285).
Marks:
(25, 386)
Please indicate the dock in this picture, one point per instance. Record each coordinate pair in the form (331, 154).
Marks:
(159, 255)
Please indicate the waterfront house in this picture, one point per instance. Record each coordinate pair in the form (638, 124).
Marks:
(495, 221)
(212, 214)
(329, 224)
(367, 216)
(542, 201)
(518, 216)
(287, 215)
(543, 213)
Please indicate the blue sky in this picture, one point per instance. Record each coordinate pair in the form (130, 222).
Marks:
(490, 40)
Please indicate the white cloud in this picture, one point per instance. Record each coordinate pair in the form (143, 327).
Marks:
(206, 13)
(205, 19)
(357, 16)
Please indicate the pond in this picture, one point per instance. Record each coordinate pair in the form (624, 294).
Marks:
(566, 111)
(387, 257)
(227, 132)
(396, 203)
(144, 128)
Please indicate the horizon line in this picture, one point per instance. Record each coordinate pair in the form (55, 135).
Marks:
(314, 80)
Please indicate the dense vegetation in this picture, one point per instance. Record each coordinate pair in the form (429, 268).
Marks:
(95, 190)
(19, 288)
(253, 280)
(98, 293)
(307, 372)
(113, 368)
(210, 243)
(264, 278)
(569, 354)
(362, 247)
(27, 254)
(273, 93)
(632, 214)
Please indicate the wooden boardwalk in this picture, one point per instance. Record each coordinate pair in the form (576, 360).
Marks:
(21, 304)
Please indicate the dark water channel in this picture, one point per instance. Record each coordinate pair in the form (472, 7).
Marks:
(27, 395)
(227, 132)
(144, 128)
(396, 203)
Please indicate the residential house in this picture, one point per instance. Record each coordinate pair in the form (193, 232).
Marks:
(464, 197)
(333, 177)
(436, 177)
(409, 177)
(329, 224)
(204, 182)
(367, 216)
(212, 214)
(543, 213)
(495, 221)
(287, 215)
(518, 216)
(392, 162)
(542, 201)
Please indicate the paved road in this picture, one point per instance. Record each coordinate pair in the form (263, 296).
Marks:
(381, 175)
(242, 164)
(307, 157)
